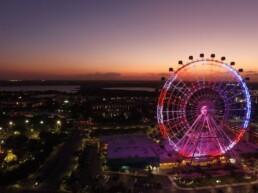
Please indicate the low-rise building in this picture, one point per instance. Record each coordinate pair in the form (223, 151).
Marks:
(134, 151)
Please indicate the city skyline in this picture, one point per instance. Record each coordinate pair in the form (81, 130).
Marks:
(122, 40)
(136, 96)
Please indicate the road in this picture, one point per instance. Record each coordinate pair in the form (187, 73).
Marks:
(169, 187)
(65, 162)
(60, 163)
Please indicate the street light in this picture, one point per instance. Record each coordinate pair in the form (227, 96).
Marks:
(41, 122)
(27, 121)
(218, 181)
(10, 123)
(16, 132)
(58, 122)
(36, 184)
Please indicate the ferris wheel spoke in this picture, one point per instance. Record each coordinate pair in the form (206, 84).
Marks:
(231, 131)
(174, 111)
(229, 83)
(187, 88)
(228, 92)
(191, 128)
(193, 74)
(191, 134)
(176, 130)
(222, 81)
(236, 84)
(232, 97)
(235, 111)
(221, 131)
(196, 76)
(176, 87)
(231, 127)
(214, 130)
(230, 104)
(203, 74)
(217, 119)
(198, 139)
(173, 119)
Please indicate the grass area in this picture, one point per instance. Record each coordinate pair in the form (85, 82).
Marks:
(212, 181)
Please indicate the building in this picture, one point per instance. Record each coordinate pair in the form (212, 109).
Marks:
(10, 157)
(138, 151)
(134, 151)
(112, 109)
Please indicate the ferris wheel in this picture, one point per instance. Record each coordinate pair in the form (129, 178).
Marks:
(204, 107)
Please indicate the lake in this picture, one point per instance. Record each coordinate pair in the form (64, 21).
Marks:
(148, 89)
(42, 88)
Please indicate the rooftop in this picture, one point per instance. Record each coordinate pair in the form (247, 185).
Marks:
(134, 146)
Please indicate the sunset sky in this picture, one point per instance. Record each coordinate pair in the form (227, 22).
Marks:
(122, 40)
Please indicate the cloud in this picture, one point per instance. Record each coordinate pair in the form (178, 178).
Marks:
(251, 73)
(84, 76)
(100, 76)
(164, 74)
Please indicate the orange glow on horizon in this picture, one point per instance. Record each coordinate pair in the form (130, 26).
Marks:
(129, 40)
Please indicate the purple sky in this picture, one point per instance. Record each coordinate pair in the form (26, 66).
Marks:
(111, 39)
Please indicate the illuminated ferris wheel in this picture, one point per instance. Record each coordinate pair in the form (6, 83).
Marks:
(204, 107)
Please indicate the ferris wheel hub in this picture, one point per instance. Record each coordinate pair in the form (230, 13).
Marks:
(205, 110)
